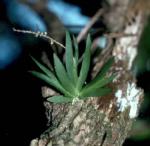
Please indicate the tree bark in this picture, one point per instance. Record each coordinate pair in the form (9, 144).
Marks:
(102, 121)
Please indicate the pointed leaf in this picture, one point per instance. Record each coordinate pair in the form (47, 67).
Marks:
(85, 64)
(105, 81)
(99, 84)
(75, 72)
(76, 50)
(59, 99)
(69, 57)
(96, 93)
(51, 81)
(43, 68)
(103, 70)
(75, 60)
(62, 75)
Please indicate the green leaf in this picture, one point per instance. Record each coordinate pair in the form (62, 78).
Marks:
(103, 70)
(95, 93)
(62, 75)
(75, 60)
(102, 73)
(85, 64)
(69, 57)
(76, 50)
(105, 81)
(43, 68)
(51, 81)
(59, 99)
(99, 84)
(75, 72)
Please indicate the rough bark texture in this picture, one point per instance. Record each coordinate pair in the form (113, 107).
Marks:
(100, 121)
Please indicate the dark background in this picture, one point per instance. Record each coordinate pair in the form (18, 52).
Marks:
(22, 114)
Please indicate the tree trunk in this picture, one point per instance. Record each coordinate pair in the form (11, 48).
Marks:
(103, 121)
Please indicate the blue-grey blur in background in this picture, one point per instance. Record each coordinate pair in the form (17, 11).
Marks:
(14, 64)
(22, 15)
(21, 106)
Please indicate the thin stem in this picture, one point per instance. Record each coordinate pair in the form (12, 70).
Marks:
(40, 34)
(89, 25)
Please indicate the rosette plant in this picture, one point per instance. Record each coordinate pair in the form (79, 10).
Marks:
(69, 80)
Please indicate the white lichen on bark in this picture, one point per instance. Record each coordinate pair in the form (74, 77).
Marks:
(125, 51)
(127, 46)
(130, 100)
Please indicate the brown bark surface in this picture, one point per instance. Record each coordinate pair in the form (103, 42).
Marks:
(98, 121)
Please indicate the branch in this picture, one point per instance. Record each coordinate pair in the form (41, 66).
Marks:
(89, 25)
(41, 35)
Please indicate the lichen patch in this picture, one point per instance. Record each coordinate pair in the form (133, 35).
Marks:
(126, 48)
(131, 99)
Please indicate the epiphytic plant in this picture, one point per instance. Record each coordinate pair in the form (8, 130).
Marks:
(69, 80)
